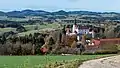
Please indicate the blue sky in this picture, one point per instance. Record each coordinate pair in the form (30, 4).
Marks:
(55, 5)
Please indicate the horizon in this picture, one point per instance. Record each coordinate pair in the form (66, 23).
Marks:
(59, 10)
(56, 5)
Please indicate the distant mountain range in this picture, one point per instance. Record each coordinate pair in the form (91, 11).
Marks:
(61, 12)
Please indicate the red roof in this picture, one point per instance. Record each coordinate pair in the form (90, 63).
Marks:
(44, 49)
(113, 39)
(106, 41)
(103, 42)
(96, 42)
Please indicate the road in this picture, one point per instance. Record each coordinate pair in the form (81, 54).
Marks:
(109, 62)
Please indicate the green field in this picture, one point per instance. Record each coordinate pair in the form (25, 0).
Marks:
(7, 29)
(31, 28)
(28, 32)
(33, 61)
(3, 30)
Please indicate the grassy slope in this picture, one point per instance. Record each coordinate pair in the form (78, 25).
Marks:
(32, 61)
(3, 30)
(31, 28)
(7, 29)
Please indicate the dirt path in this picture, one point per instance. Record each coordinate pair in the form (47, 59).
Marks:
(109, 62)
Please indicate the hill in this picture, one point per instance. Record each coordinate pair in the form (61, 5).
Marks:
(28, 12)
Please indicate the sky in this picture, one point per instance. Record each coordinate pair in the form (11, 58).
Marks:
(55, 5)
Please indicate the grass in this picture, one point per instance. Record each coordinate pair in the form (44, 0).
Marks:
(3, 30)
(7, 29)
(31, 28)
(27, 33)
(33, 61)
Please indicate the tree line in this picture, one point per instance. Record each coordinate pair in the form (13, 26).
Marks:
(21, 45)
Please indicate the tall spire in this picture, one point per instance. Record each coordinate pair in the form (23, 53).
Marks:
(75, 22)
(74, 25)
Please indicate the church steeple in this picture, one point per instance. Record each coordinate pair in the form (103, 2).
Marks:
(74, 25)
(75, 22)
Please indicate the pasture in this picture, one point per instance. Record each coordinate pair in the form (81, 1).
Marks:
(32, 27)
(39, 61)
(7, 29)
(40, 28)
(3, 30)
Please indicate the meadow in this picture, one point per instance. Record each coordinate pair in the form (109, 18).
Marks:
(40, 61)
(41, 26)
(7, 29)
(31, 28)
(3, 30)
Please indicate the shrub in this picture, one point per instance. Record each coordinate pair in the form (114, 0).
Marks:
(105, 52)
(118, 47)
(67, 50)
(65, 64)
